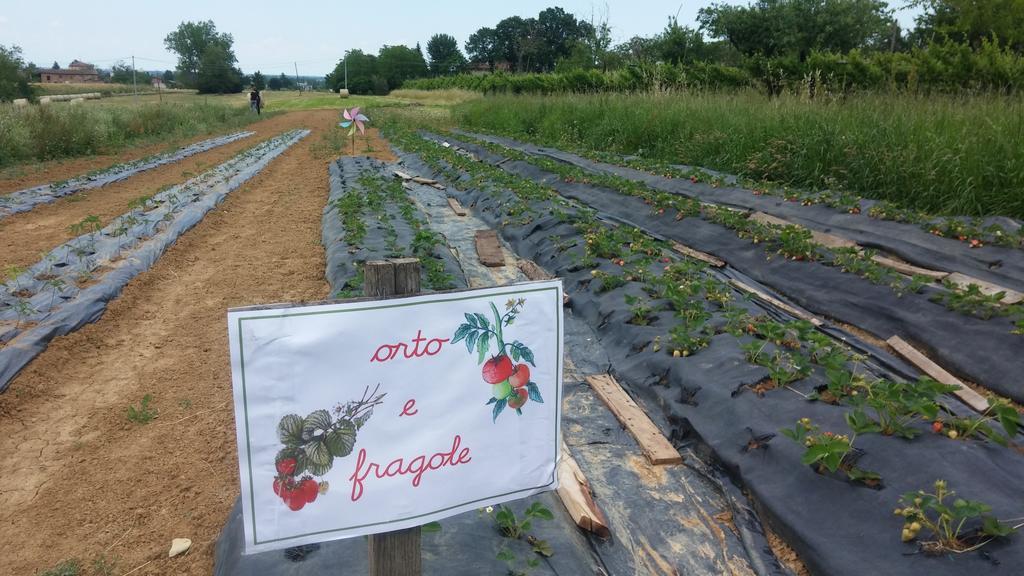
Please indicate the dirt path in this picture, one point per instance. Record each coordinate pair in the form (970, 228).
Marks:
(24, 236)
(82, 481)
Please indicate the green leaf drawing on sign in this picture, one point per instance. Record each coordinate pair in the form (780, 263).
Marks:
(482, 347)
(341, 440)
(289, 430)
(498, 407)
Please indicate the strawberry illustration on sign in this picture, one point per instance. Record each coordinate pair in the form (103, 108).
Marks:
(508, 370)
(311, 445)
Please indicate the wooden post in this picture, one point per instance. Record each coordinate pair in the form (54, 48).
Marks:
(393, 553)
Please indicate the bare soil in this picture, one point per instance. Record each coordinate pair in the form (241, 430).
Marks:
(82, 481)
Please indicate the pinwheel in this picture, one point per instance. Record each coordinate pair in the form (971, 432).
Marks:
(353, 120)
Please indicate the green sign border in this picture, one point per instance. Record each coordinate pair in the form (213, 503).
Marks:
(245, 405)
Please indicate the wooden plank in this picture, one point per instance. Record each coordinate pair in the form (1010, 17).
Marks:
(908, 269)
(777, 303)
(422, 180)
(698, 255)
(488, 249)
(577, 497)
(825, 239)
(988, 288)
(456, 207)
(403, 175)
(652, 443)
(438, 186)
(926, 365)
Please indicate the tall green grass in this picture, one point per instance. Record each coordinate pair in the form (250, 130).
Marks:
(945, 155)
(36, 133)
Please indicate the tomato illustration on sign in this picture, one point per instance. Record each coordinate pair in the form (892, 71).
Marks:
(508, 369)
(311, 445)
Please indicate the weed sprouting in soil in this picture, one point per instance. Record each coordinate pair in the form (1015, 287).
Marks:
(145, 413)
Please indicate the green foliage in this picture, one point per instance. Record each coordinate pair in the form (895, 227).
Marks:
(826, 451)
(797, 27)
(889, 408)
(400, 63)
(13, 76)
(50, 132)
(66, 568)
(445, 57)
(258, 81)
(364, 74)
(514, 528)
(925, 153)
(191, 41)
(121, 73)
(145, 413)
(217, 73)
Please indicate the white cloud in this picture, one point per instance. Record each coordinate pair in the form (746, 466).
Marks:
(3, 20)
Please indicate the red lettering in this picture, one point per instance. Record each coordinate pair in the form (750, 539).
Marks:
(416, 467)
(386, 352)
(410, 408)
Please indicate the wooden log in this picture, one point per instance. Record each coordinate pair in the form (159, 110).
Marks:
(422, 180)
(532, 271)
(987, 288)
(825, 239)
(456, 207)
(403, 175)
(394, 553)
(575, 493)
(488, 249)
(777, 303)
(698, 255)
(653, 444)
(926, 365)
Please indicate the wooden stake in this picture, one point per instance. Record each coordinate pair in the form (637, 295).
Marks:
(574, 491)
(394, 553)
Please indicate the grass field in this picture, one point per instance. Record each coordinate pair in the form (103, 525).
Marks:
(940, 154)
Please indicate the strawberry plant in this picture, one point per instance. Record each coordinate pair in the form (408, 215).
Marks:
(895, 406)
(796, 243)
(311, 445)
(960, 526)
(509, 379)
(970, 300)
(640, 309)
(827, 451)
(514, 528)
(999, 412)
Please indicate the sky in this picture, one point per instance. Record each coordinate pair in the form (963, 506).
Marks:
(278, 36)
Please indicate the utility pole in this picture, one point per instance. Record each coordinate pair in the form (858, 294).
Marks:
(297, 76)
(346, 70)
(135, 89)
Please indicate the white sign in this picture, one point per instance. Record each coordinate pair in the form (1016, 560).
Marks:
(374, 416)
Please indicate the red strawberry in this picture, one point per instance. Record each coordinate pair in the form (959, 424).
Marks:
(286, 466)
(309, 489)
(937, 426)
(294, 498)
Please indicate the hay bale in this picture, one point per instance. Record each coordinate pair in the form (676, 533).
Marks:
(44, 100)
(21, 102)
(343, 92)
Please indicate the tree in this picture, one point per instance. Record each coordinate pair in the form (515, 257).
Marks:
(482, 47)
(13, 78)
(362, 73)
(971, 22)
(396, 64)
(258, 81)
(121, 73)
(168, 77)
(555, 35)
(274, 83)
(190, 41)
(445, 57)
(216, 73)
(774, 28)
(56, 66)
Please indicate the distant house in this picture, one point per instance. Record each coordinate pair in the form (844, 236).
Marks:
(77, 71)
(158, 83)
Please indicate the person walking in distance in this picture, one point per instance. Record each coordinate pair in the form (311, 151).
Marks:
(255, 100)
